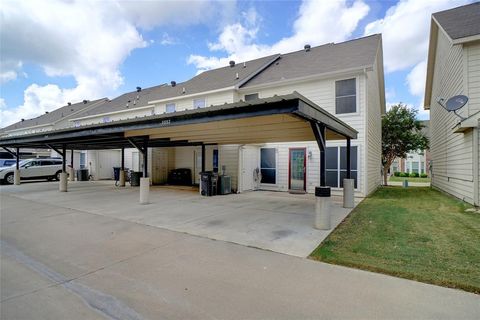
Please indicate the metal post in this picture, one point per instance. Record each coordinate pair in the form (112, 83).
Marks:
(71, 174)
(71, 158)
(18, 159)
(123, 159)
(64, 160)
(145, 157)
(203, 158)
(323, 165)
(349, 163)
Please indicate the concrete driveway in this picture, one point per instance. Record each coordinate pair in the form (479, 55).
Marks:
(60, 263)
(275, 221)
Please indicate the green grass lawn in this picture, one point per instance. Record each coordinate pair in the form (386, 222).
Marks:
(415, 233)
(400, 179)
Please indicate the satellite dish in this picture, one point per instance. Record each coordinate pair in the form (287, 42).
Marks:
(456, 102)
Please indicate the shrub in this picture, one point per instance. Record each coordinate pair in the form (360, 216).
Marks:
(397, 174)
(403, 174)
(424, 175)
(414, 175)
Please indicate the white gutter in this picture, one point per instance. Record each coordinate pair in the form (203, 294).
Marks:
(325, 75)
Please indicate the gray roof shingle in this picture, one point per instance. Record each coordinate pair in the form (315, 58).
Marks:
(322, 59)
(51, 117)
(460, 22)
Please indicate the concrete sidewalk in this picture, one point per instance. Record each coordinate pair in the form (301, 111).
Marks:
(59, 263)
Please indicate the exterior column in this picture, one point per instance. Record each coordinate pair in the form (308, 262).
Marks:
(145, 181)
(72, 169)
(348, 183)
(16, 173)
(203, 158)
(62, 187)
(121, 179)
(322, 208)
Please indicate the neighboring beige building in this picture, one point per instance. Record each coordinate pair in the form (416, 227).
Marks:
(454, 69)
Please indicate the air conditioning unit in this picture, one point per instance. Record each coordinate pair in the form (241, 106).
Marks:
(225, 185)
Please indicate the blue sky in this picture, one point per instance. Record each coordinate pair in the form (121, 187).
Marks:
(57, 51)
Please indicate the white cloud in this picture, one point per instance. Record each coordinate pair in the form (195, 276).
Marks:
(86, 39)
(416, 79)
(314, 25)
(406, 29)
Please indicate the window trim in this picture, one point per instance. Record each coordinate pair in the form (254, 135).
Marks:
(276, 166)
(357, 99)
(338, 170)
(204, 101)
(174, 107)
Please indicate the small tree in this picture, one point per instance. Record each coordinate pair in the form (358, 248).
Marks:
(401, 133)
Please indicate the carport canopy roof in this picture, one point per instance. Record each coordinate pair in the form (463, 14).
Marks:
(283, 118)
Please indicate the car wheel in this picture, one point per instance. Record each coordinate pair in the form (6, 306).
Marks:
(9, 178)
(57, 175)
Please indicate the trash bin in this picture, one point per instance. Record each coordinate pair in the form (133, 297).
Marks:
(208, 183)
(224, 185)
(82, 175)
(116, 173)
(135, 178)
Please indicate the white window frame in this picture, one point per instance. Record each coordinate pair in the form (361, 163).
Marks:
(338, 146)
(276, 166)
(357, 100)
(169, 104)
(198, 99)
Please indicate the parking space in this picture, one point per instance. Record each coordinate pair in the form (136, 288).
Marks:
(275, 221)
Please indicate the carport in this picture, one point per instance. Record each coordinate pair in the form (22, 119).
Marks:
(284, 118)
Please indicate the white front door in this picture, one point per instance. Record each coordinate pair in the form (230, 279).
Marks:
(248, 164)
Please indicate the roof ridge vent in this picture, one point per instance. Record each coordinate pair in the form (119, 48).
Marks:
(139, 89)
(232, 63)
(307, 47)
(173, 83)
(85, 101)
(69, 103)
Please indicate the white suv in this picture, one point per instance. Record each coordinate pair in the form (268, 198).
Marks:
(33, 169)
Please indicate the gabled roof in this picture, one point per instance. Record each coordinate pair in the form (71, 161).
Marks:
(461, 22)
(54, 116)
(329, 58)
(460, 25)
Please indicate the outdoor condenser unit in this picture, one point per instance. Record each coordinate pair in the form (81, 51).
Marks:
(225, 186)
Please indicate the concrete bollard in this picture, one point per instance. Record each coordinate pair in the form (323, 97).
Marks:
(62, 186)
(348, 193)
(16, 177)
(71, 174)
(121, 178)
(322, 208)
(144, 190)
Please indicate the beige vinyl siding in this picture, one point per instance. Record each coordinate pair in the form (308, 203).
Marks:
(473, 76)
(159, 108)
(322, 92)
(451, 152)
(374, 132)
(228, 157)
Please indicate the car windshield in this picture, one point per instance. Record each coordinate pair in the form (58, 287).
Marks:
(23, 162)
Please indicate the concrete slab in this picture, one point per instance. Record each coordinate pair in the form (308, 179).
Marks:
(80, 265)
(275, 221)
